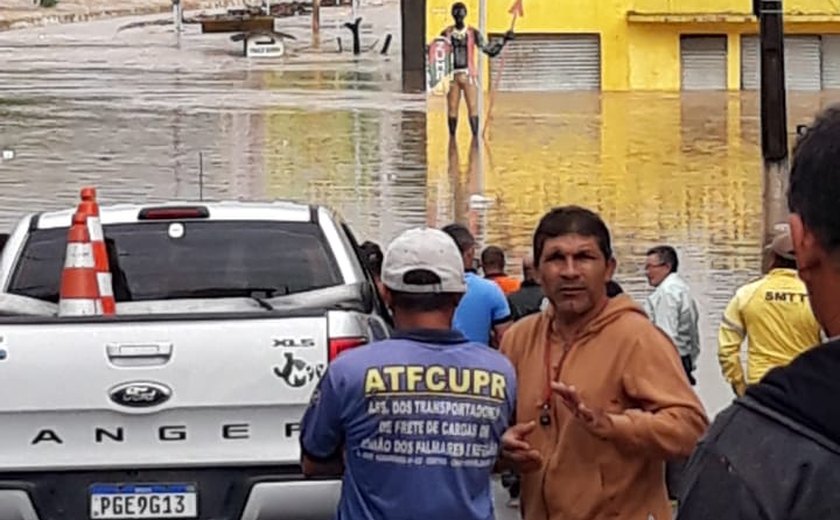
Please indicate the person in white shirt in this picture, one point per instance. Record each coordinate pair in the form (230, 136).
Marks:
(671, 307)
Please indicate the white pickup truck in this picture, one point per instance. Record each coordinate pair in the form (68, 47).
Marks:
(186, 404)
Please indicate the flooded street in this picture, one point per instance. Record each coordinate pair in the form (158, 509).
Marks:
(130, 112)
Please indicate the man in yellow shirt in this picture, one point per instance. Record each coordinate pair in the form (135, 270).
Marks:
(775, 316)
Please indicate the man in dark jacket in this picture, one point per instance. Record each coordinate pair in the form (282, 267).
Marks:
(775, 453)
(373, 258)
(614, 289)
(528, 298)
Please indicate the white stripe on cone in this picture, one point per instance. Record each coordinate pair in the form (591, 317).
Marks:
(95, 229)
(79, 307)
(79, 255)
(104, 281)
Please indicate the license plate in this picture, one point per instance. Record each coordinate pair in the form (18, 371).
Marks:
(135, 501)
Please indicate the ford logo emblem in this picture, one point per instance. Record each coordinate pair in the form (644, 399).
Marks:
(140, 394)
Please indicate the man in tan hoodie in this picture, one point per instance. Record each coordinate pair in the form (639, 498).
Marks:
(601, 389)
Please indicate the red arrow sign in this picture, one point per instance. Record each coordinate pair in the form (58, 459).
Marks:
(516, 9)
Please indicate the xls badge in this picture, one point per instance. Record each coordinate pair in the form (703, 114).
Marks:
(293, 342)
(296, 372)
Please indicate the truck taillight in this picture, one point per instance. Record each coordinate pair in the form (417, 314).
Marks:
(339, 345)
(173, 213)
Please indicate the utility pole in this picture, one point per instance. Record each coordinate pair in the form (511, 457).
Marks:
(482, 59)
(413, 32)
(774, 141)
(177, 15)
(316, 23)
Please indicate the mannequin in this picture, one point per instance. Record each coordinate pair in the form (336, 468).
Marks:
(464, 40)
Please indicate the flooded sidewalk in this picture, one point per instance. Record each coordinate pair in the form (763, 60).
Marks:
(20, 14)
(130, 110)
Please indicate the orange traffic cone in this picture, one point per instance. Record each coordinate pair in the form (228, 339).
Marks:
(90, 209)
(79, 293)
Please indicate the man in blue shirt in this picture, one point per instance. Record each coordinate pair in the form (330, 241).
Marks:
(484, 308)
(416, 421)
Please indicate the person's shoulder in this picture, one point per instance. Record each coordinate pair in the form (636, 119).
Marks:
(486, 289)
(483, 283)
(734, 431)
(742, 448)
(522, 333)
(675, 286)
(489, 358)
(526, 325)
(632, 316)
(731, 435)
(789, 279)
(748, 290)
(755, 281)
(525, 292)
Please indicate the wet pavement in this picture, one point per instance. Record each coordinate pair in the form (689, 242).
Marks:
(131, 111)
(19, 14)
(503, 511)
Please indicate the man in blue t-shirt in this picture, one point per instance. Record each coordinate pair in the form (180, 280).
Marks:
(483, 313)
(415, 421)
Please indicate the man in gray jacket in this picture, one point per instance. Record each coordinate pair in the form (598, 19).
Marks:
(775, 453)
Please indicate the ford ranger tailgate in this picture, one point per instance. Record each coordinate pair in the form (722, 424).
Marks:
(213, 390)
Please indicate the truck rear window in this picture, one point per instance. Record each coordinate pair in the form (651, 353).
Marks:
(207, 259)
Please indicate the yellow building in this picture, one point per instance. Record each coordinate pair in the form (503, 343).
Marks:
(670, 45)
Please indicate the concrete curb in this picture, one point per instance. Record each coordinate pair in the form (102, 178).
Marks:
(47, 17)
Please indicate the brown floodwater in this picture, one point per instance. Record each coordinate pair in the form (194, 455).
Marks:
(130, 113)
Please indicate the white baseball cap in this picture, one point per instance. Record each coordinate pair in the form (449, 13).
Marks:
(782, 245)
(425, 249)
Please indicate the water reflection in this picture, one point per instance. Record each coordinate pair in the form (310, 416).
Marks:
(661, 168)
(131, 112)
